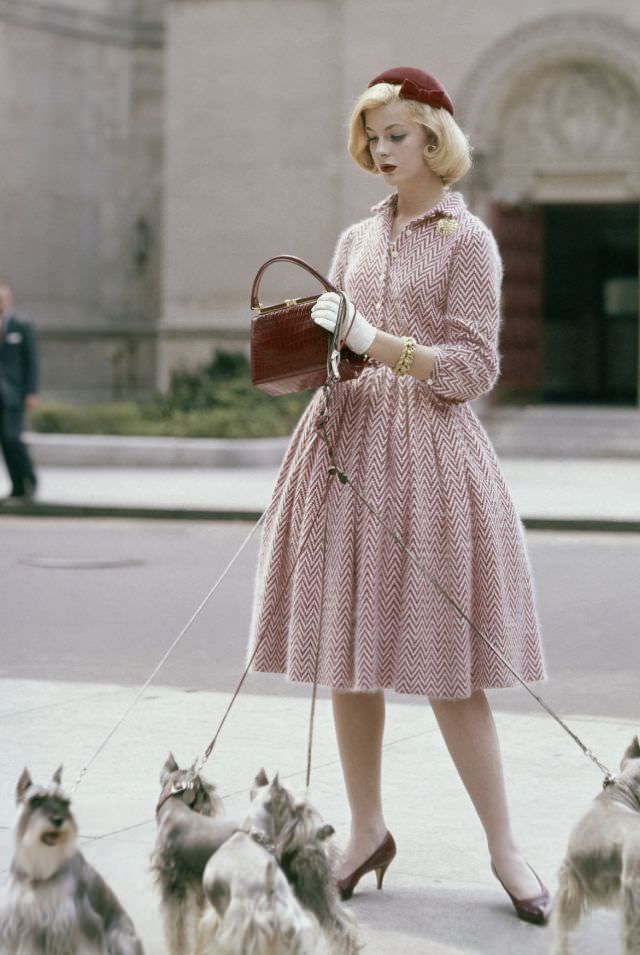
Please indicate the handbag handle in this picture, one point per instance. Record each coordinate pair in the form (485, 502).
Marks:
(255, 304)
(333, 353)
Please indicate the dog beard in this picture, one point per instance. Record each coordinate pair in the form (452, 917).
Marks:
(40, 849)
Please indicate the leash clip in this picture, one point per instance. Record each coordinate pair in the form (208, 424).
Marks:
(341, 475)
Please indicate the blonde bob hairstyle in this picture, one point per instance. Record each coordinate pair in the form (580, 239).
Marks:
(447, 152)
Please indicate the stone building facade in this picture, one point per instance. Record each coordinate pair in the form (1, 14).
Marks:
(221, 125)
(81, 133)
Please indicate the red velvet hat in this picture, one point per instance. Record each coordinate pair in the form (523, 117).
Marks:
(415, 84)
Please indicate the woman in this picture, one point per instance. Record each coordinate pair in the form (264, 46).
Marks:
(337, 601)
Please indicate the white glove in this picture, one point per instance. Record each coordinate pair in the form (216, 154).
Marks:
(360, 332)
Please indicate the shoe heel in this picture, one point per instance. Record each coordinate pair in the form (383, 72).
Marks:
(380, 871)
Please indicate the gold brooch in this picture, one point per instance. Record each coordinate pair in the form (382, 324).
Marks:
(446, 227)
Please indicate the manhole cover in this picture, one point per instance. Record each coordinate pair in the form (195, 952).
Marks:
(75, 563)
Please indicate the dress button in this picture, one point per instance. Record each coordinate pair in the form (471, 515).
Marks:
(429, 381)
(378, 306)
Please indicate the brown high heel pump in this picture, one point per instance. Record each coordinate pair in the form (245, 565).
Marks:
(536, 909)
(380, 860)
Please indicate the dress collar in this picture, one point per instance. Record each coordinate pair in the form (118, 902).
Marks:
(451, 205)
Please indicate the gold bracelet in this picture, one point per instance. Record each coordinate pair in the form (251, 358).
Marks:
(407, 355)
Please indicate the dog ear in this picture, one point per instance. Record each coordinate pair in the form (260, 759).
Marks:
(261, 779)
(324, 832)
(631, 752)
(169, 767)
(57, 776)
(23, 784)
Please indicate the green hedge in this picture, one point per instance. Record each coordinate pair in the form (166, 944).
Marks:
(217, 401)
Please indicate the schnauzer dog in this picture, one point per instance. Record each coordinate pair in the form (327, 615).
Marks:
(57, 904)
(191, 827)
(299, 840)
(602, 864)
(253, 908)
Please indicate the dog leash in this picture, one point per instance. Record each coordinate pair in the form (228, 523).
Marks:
(166, 656)
(334, 470)
(344, 479)
(201, 762)
(333, 374)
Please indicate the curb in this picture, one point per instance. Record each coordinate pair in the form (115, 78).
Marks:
(36, 509)
(83, 450)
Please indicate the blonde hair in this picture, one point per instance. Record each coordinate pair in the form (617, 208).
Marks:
(447, 153)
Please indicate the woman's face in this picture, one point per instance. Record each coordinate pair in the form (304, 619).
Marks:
(396, 143)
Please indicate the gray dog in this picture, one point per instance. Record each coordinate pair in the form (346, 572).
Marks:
(57, 903)
(191, 826)
(300, 841)
(254, 910)
(602, 864)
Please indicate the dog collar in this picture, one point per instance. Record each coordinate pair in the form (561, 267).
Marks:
(177, 789)
(261, 839)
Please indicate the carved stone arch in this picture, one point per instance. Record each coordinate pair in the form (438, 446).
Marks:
(522, 106)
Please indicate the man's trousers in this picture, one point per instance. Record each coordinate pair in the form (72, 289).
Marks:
(15, 452)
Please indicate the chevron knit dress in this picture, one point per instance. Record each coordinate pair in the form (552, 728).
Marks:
(336, 599)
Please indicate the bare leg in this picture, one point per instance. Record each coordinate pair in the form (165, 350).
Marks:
(359, 722)
(470, 735)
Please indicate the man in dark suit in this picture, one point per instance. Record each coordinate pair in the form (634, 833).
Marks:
(18, 391)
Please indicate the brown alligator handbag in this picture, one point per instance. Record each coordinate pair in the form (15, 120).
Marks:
(289, 352)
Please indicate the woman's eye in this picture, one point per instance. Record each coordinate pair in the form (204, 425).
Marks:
(372, 139)
(398, 137)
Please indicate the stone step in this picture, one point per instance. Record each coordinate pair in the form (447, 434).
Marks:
(567, 431)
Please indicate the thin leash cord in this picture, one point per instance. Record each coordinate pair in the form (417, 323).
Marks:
(344, 478)
(166, 656)
(314, 693)
(332, 376)
(209, 750)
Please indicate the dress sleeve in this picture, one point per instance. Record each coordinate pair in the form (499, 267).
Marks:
(467, 361)
(338, 265)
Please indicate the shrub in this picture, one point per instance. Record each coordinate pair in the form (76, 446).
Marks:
(217, 400)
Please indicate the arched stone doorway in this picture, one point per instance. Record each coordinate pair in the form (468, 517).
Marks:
(554, 114)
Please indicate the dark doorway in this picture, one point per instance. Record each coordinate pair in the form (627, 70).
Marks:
(590, 304)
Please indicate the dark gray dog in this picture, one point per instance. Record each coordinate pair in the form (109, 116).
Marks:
(300, 841)
(602, 864)
(191, 826)
(57, 903)
(254, 910)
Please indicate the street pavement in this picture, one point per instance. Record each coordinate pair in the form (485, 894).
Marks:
(439, 896)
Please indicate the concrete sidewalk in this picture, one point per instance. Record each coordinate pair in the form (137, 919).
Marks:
(547, 491)
(439, 896)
